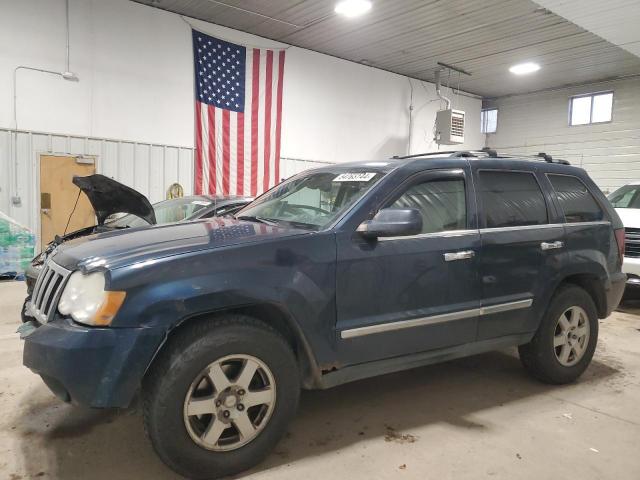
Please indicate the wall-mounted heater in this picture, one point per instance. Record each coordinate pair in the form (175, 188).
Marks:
(449, 128)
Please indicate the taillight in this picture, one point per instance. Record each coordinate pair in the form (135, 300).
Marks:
(620, 239)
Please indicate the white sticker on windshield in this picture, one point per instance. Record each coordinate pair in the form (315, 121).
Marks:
(355, 177)
(201, 202)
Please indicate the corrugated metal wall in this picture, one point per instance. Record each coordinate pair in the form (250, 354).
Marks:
(148, 168)
(610, 152)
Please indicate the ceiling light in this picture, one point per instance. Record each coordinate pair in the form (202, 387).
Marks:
(353, 8)
(524, 68)
(72, 77)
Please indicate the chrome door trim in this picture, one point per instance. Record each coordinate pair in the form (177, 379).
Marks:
(444, 234)
(521, 227)
(461, 233)
(434, 319)
(545, 225)
(506, 307)
(588, 224)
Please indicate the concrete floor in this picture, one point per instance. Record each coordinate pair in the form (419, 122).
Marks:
(468, 419)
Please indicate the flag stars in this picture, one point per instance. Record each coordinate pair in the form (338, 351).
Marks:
(220, 68)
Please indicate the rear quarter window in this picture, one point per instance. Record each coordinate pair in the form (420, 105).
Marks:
(575, 199)
(511, 199)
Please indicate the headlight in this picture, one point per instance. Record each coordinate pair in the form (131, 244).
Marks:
(86, 300)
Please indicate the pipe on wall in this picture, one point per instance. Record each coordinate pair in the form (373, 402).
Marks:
(66, 74)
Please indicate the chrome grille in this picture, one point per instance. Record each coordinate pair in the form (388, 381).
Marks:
(47, 291)
(632, 242)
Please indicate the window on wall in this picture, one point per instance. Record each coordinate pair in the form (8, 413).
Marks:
(489, 120)
(511, 199)
(594, 108)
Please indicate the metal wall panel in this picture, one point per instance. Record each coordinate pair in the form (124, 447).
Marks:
(147, 168)
(150, 169)
(610, 152)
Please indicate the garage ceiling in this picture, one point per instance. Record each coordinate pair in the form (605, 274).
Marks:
(409, 37)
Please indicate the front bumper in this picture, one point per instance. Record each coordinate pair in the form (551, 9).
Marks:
(96, 367)
(631, 266)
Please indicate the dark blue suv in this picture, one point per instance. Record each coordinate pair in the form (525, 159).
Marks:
(337, 274)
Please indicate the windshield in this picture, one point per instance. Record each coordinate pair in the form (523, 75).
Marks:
(626, 197)
(313, 200)
(167, 211)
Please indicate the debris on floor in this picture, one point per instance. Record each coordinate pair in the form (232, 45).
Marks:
(393, 436)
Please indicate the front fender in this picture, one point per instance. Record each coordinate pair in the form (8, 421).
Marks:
(297, 275)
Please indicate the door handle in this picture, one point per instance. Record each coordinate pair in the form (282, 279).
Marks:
(451, 256)
(551, 245)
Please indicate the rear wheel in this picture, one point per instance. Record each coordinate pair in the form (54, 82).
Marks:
(220, 396)
(564, 344)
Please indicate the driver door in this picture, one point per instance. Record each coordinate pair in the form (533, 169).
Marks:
(401, 295)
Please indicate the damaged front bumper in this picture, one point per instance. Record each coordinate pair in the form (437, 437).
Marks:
(96, 367)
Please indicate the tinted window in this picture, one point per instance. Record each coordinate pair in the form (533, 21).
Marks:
(511, 199)
(576, 201)
(442, 204)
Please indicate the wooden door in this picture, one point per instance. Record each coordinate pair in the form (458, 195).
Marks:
(58, 196)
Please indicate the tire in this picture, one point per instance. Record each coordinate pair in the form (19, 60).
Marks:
(171, 386)
(543, 357)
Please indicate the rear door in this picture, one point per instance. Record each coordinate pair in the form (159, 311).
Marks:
(589, 234)
(402, 295)
(522, 248)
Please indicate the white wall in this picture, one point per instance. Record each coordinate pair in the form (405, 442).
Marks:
(136, 76)
(610, 152)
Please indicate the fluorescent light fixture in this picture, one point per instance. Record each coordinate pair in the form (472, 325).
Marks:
(524, 68)
(353, 8)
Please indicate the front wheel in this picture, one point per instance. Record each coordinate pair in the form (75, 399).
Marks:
(565, 342)
(220, 397)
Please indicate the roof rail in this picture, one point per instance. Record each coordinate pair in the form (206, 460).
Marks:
(449, 153)
(549, 159)
(484, 153)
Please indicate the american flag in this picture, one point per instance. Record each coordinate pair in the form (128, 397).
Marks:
(238, 116)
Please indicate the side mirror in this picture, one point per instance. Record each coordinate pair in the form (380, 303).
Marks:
(392, 222)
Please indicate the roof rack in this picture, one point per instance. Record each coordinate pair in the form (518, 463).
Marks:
(486, 152)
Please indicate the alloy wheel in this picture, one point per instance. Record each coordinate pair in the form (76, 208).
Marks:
(571, 336)
(230, 402)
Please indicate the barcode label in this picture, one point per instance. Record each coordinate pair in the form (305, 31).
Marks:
(354, 177)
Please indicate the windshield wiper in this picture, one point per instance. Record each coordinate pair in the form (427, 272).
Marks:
(252, 218)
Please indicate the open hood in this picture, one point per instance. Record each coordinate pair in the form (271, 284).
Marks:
(108, 197)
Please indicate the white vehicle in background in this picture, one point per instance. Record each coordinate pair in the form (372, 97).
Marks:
(626, 201)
